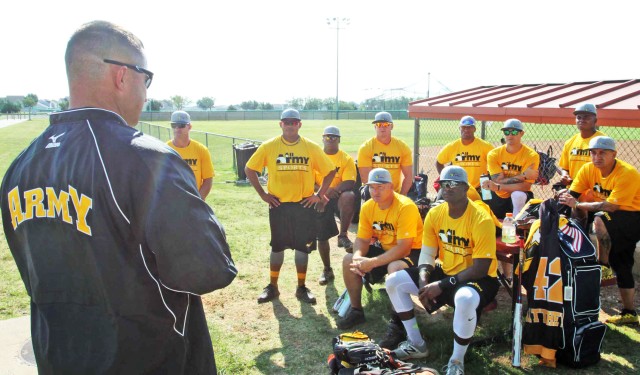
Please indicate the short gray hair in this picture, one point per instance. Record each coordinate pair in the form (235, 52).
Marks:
(102, 38)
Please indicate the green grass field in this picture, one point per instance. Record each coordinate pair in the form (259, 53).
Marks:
(287, 337)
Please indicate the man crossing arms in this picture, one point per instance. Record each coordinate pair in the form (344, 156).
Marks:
(388, 152)
(467, 152)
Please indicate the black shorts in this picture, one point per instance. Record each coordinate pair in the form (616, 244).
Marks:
(326, 221)
(292, 227)
(487, 288)
(377, 274)
(622, 227)
(502, 206)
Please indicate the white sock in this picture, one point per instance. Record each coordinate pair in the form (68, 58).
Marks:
(458, 352)
(413, 332)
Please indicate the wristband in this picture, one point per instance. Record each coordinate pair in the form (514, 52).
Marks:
(448, 283)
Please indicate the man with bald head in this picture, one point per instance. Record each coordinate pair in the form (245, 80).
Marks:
(114, 285)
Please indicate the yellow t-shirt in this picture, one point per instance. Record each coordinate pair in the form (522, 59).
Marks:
(621, 187)
(459, 241)
(401, 220)
(499, 160)
(345, 169)
(471, 157)
(575, 153)
(291, 167)
(391, 157)
(199, 159)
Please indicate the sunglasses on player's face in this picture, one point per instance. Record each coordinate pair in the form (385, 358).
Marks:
(511, 131)
(181, 126)
(291, 122)
(383, 124)
(450, 184)
(330, 137)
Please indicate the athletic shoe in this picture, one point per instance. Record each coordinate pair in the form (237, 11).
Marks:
(304, 294)
(453, 368)
(395, 335)
(345, 242)
(353, 318)
(406, 350)
(269, 293)
(625, 317)
(326, 276)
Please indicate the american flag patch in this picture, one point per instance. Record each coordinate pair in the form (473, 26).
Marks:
(575, 235)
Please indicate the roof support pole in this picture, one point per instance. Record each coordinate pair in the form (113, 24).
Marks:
(416, 145)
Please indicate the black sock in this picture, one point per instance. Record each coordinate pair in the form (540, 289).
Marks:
(625, 311)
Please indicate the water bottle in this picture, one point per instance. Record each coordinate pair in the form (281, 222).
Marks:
(486, 193)
(508, 229)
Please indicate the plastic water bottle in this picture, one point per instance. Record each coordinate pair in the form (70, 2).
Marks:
(508, 229)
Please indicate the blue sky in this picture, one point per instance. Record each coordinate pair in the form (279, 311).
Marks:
(276, 50)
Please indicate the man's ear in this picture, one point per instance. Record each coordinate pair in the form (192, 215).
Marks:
(120, 77)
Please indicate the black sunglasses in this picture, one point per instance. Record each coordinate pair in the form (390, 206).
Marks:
(174, 125)
(147, 81)
(450, 184)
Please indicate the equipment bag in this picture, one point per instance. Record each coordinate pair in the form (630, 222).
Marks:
(562, 278)
(546, 168)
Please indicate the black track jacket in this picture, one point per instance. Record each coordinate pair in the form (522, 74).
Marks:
(115, 247)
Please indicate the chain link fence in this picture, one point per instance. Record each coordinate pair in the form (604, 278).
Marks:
(433, 134)
(220, 146)
(271, 115)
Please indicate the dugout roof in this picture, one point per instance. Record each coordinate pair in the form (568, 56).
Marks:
(618, 103)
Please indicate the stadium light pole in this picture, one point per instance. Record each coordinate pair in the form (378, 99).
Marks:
(338, 23)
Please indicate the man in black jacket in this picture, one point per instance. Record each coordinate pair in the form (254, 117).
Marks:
(106, 225)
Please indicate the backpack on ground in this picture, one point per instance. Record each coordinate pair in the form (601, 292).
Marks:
(562, 278)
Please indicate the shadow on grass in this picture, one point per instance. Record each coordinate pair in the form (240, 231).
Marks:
(298, 336)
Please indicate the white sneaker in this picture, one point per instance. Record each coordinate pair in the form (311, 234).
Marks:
(406, 350)
(453, 368)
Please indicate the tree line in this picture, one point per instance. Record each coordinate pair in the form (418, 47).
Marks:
(178, 102)
(207, 103)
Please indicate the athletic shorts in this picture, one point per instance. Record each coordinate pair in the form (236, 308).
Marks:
(623, 228)
(326, 221)
(292, 227)
(377, 274)
(502, 206)
(487, 288)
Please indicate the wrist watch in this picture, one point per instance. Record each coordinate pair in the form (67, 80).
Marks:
(453, 281)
